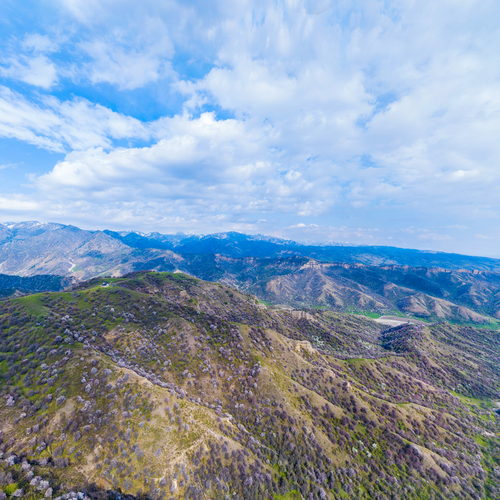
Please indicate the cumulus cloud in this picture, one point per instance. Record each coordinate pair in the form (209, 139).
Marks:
(28, 61)
(124, 43)
(409, 85)
(209, 165)
(301, 114)
(18, 204)
(60, 126)
(38, 71)
(129, 63)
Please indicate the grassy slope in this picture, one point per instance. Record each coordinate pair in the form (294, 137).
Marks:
(165, 386)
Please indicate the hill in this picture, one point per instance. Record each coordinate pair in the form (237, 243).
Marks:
(159, 385)
(427, 293)
(276, 270)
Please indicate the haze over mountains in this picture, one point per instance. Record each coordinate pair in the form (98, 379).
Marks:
(28, 248)
(427, 284)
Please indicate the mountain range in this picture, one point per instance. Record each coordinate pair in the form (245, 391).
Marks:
(160, 385)
(28, 248)
(381, 280)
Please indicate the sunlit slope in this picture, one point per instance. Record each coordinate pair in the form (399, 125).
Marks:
(162, 385)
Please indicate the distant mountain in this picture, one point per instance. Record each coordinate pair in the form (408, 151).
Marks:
(159, 385)
(28, 248)
(437, 294)
(378, 279)
(235, 244)
(429, 293)
(31, 248)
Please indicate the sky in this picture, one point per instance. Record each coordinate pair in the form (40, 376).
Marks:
(363, 122)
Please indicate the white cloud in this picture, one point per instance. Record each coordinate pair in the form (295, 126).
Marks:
(125, 43)
(202, 173)
(222, 166)
(61, 126)
(38, 43)
(339, 108)
(38, 71)
(29, 62)
(130, 60)
(15, 204)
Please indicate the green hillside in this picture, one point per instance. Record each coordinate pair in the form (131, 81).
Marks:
(158, 385)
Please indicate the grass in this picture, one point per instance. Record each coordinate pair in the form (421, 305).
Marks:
(33, 304)
(358, 361)
(492, 325)
(177, 276)
(368, 314)
(10, 488)
(481, 441)
(265, 302)
(471, 402)
(279, 470)
(290, 495)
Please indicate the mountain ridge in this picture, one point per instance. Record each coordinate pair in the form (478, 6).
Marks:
(234, 244)
(160, 384)
(277, 272)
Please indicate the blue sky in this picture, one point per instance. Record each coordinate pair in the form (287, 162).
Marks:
(369, 122)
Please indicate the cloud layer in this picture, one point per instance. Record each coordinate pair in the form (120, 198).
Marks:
(364, 121)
